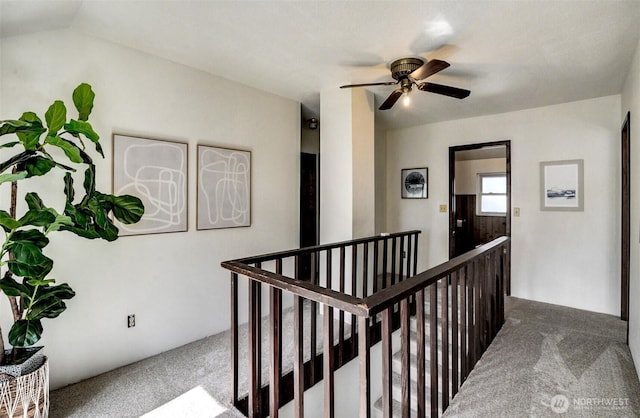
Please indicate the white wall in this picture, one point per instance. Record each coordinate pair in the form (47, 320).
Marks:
(631, 103)
(347, 173)
(566, 258)
(172, 282)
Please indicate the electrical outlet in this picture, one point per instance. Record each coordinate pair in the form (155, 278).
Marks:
(131, 321)
(443, 208)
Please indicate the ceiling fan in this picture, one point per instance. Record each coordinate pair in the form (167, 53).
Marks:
(411, 71)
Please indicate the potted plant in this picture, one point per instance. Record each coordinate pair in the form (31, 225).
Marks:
(40, 149)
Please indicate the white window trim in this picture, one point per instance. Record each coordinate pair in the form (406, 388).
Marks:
(479, 194)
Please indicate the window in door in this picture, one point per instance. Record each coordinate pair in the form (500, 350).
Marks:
(491, 194)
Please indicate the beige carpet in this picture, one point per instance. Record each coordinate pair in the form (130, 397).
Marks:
(550, 361)
(546, 358)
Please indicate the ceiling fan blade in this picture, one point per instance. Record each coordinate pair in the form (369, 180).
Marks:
(444, 90)
(391, 100)
(430, 68)
(385, 83)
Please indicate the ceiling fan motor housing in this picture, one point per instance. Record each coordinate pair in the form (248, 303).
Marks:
(402, 67)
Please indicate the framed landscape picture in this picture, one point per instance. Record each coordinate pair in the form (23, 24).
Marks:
(156, 172)
(415, 183)
(224, 188)
(561, 185)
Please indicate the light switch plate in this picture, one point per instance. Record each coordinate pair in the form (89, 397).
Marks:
(443, 208)
(516, 211)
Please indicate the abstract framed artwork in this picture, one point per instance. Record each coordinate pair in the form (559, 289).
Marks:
(415, 183)
(224, 188)
(156, 172)
(561, 185)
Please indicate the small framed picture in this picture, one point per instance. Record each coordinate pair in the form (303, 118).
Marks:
(561, 185)
(415, 183)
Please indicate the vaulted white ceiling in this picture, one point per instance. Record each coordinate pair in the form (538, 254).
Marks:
(510, 54)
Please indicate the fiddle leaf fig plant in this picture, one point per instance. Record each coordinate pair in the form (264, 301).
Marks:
(43, 148)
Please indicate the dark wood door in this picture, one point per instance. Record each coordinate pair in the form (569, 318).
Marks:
(308, 209)
(626, 216)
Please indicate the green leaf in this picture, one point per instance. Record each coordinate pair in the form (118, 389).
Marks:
(32, 236)
(16, 160)
(13, 177)
(89, 182)
(59, 223)
(30, 270)
(56, 117)
(29, 261)
(37, 218)
(61, 291)
(14, 289)
(89, 232)
(109, 233)
(14, 126)
(34, 201)
(69, 191)
(30, 140)
(79, 218)
(127, 209)
(25, 333)
(40, 282)
(70, 149)
(10, 144)
(82, 128)
(83, 98)
(7, 221)
(46, 308)
(38, 166)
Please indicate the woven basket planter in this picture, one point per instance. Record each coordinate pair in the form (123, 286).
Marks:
(26, 396)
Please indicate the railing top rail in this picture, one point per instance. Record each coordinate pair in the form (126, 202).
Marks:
(370, 305)
(385, 298)
(302, 288)
(306, 250)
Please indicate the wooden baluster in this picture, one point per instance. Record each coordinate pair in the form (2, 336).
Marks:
(393, 262)
(401, 263)
(354, 287)
(298, 363)
(445, 341)
(365, 270)
(275, 310)
(454, 333)
(328, 363)
(385, 256)
(254, 349)
(365, 366)
(405, 336)
(464, 357)
(478, 312)
(387, 352)
(313, 313)
(234, 338)
(489, 286)
(409, 256)
(341, 312)
(433, 347)
(375, 266)
(415, 254)
(420, 355)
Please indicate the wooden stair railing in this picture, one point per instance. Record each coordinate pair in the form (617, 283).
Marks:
(380, 295)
